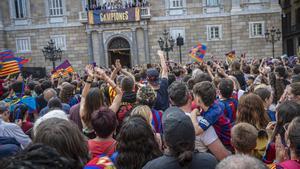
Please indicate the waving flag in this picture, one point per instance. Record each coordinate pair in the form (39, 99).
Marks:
(9, 64)
(63, 68)
(198, 52)
(230, 56)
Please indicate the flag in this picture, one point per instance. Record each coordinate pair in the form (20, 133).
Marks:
(63, 68)
(22, 60)
(198, 52)
(9, 64)
(230, 56)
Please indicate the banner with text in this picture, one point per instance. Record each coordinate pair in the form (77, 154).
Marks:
(116, 15)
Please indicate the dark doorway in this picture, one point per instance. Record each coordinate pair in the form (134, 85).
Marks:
(119, 48)
(290, 47)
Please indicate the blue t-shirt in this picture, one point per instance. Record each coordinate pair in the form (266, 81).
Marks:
(272, 115)
(162, 100)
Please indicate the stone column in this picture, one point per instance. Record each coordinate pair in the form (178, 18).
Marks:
(90, 47)
(236, 6)
(146, 45)
(101, 49)
(134, 59)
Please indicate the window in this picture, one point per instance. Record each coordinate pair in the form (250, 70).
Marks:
(23, 45)
(20, 9)
(176, 3)
(214, 32)
(257, 29)
(60, 41)
(55, 7)
(212, 2)
(174, 32)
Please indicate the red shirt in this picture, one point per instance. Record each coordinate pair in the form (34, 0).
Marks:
(100, 147)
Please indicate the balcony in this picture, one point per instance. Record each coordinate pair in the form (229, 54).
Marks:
(145, 13)
(254, 4)
(83, 17)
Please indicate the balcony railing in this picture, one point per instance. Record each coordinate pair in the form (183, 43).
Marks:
(254, 4)
(145, 13)
(83, 17)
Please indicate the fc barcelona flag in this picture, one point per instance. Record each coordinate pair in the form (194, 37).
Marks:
(9, 64)
(63, 69)
(198, 52)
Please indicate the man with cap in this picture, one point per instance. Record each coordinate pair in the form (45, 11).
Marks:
(160, 85)
(179, 138)
(8, 129)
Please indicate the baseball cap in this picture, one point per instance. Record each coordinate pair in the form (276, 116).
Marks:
(153, 76)
(177, 127)
(3, 106)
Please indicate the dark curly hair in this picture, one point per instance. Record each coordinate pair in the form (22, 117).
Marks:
(136, 144)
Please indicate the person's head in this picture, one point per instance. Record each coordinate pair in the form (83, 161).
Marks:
(236, 83)
(136, 140)
(285, 113)
(241, 161)
(179, 135)
(171, 78)
(127, 84)
(226, 88)
(297, 69)
(204, 94)
(143, 110)
(46, 84)
(65, 137)
(146, 95)
(4, 111)
(153, 77)
(51, 114)
(247, 69)
(251, 110)
(293, 136)
(294, 92)
(31, 85)
(266, 95)
(250, 80)
(93, 101)
(49, 93)
(54, 103)
(179, 94)
(38, 90)
(235, 66)
(243, 138)
(17, 87)
(104, 122)
(38, 156)
(280, 72)
(67, 92)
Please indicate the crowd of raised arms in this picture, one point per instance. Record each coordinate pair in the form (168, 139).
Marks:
(239, 115)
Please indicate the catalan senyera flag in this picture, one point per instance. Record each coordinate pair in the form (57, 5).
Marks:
(63, 68)
(198, 52)
(230, 56)
(9, 64)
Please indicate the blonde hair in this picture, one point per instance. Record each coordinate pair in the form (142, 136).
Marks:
(143, 110)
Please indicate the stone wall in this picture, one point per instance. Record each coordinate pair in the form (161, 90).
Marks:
(76, 41)
(2, 40)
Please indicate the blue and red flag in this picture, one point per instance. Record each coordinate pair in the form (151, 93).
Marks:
(198, 52)
(63, 69)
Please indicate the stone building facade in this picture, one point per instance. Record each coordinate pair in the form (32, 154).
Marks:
(291, 26)
(223, 25)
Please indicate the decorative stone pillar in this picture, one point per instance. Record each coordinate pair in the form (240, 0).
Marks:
(134, 58)
(146, 45)
(102, 50)
(90, 47)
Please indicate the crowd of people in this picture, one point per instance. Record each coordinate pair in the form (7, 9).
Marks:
(208, 115)
(93, 5)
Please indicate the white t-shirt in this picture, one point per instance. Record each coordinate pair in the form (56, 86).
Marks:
(206, 138)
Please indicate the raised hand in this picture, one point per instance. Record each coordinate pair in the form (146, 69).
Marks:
(89, 70)
(118, 65)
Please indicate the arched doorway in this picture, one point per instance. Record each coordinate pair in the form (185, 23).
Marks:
(119, 48)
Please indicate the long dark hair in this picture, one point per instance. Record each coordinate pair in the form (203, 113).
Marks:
(93, 101)
(65, 137)
(136, 144)
(294, 136)
(183, 151)
(286, 112)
